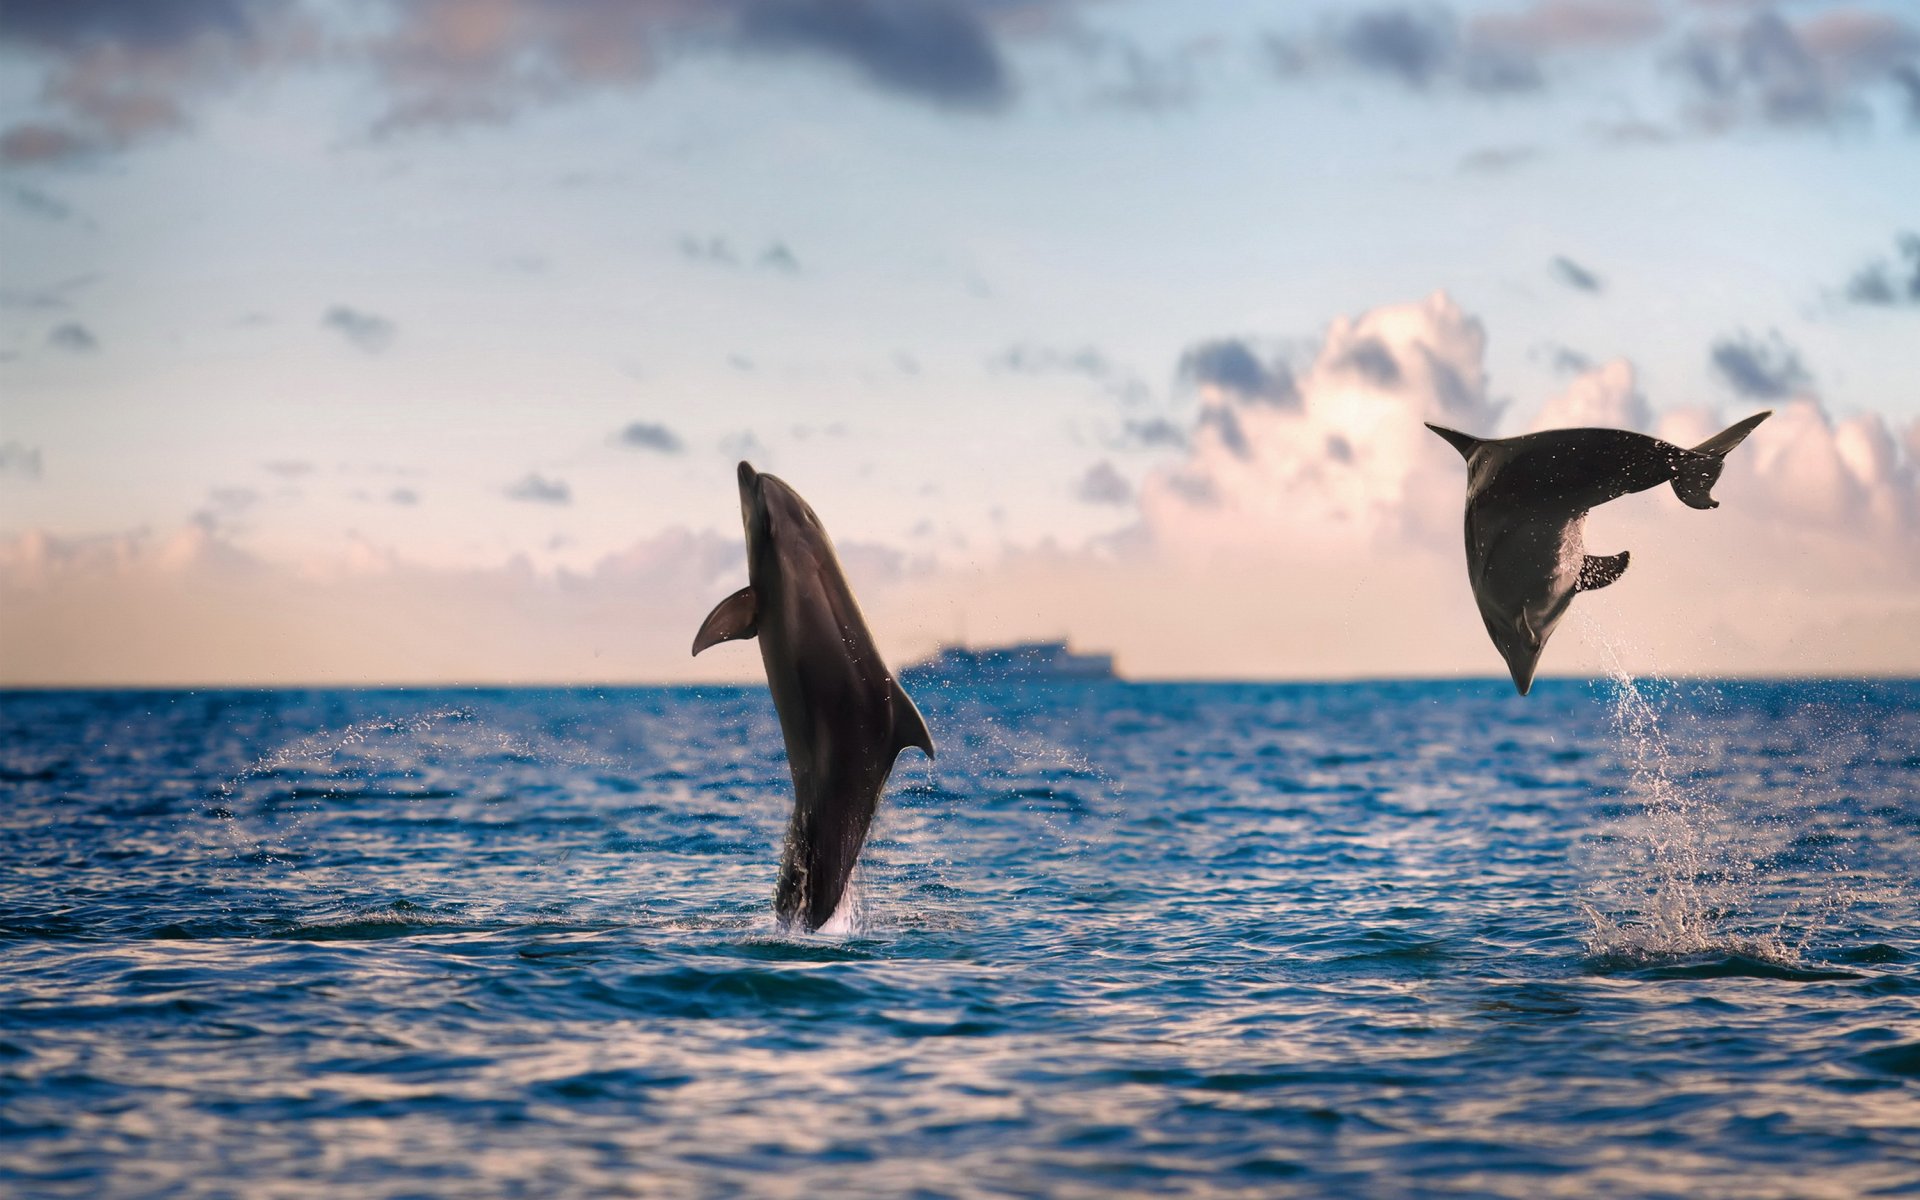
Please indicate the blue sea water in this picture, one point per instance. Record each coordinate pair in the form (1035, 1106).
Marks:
(1380, 939)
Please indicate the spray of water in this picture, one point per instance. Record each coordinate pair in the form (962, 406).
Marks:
(1685, 874)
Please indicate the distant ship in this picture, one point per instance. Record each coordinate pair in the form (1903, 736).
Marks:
(1021, 662)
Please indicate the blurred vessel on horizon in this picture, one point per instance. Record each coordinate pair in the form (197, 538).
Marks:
(1018, 662)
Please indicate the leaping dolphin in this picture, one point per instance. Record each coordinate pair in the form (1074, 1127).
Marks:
(1527, 504)
(842, 714)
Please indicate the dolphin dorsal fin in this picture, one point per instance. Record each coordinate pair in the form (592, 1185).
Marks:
(738, 616)
(1465, 443)
(1597, 571)
(909, 727)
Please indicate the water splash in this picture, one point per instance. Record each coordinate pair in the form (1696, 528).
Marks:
(1685, 878)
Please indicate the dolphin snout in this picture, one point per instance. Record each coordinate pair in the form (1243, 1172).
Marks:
(1521, 649)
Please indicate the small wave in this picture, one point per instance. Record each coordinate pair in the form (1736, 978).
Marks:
(1903, 1059)
(1732, 965)
(399, 919)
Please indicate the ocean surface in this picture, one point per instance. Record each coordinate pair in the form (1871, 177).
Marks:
(1384, 939)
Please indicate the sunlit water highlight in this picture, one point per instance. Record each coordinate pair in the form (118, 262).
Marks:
(1635, 937)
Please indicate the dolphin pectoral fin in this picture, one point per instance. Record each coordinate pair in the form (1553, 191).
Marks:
(1597, 571)
(1465, 443)
(737, 616)
(909, 727)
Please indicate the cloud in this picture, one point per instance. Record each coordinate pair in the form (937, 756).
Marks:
(1754, 66)
(646, 435)
(742, 444)
(191, 607)
(52, 297)
(1574, 275)
(1324, 538)
(36, 203)
(371, 333)
(1421, 48)
(718, 251)
(74, 338)
(1102, 484)
(1495, 160)
(1373, 361)
(1229, 365)
(1155, 432)
(1086, 361)
(776, 257)
(1906, 77)
(1554, 25)
(1343, 458)
(928, 50)
(712, 249)
(20, 461)
(289, 468)
(118, 73)
(1136, 79)
(1768, 370)
(1564, 360)
(1042, 360)
(114, 74)
(1414, 45)
(534, 488)
(225, 509)
(1770, 71)
(1885, 284)
(404, 496)
(1607, 396)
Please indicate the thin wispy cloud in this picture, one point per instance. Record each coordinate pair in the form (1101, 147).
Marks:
(717, 250)
(1230, 365)
(366, 331)
(1763, 369)
(650, 435)
(929, 50)
(73, 337)
(1103, 484)
(1154, 433)
(535, 488)
(20, 461)
(1574, 275)
(1890, 282)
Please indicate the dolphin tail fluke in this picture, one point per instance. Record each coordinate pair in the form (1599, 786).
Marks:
(909, 727)
(1597, 571)
(738, 616)
(1699, 470)
(1465, 443)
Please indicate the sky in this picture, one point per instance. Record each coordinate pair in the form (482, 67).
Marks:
(383, 342)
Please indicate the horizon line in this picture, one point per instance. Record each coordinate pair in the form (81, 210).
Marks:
(21, 688)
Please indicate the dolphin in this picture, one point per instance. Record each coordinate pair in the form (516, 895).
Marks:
(842, 714)
(1527, 504)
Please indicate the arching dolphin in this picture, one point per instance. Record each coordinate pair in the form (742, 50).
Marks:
(842, 714)
(1527, 503)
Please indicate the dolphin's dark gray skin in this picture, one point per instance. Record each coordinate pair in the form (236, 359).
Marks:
(843, 715)
(1527, 504)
